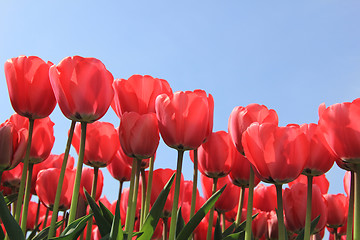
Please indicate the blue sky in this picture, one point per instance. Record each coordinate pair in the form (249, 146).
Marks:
(288, 55)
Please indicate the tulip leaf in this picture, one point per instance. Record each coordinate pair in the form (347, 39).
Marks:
(153, 217)
(43, 234)
(2, 235)
(34, 231)
(103, 224)
(196, 219)
(242, 225)
(106, 212)
(10, 198)
(74, 229)
(116, 232)
(235, 236)
(12, 227)
(300, 236)
(180, 223)
(229, 230)
(217, 232)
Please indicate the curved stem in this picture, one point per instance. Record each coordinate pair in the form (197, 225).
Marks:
(249, 210)
(308, 208)
(357, 203)
(26, 198)
(61, 181)
(350, 218)
(148, 187)
(176, 195)
(143, 196)
(93, 195)
(131, 192)
(211, 216)
(24, 172)
(240, 206)
(75, 195)
(134, 199)
(281, 225)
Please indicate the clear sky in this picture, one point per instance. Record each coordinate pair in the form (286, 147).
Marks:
(288, 55)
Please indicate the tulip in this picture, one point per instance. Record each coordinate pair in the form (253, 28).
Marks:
(337, 207)
(321, 181)
(29, 86)
(265, 198)
(12, 178)
(12, 145)
(86, 183)
(138, 94)
(240, 171)
(259, 225)
(272, 226)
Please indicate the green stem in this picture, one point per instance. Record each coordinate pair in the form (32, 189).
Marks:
(165, 228)
(61, 181)
(46, 217)
(75, 195)
(148, 186)
(37, 213)
(281, 225)
(223, 222)
(120, 190)
(240, 206)
(336, 237)
(249, 210)
(357, 203)
(176, 195)
(134, 199)
(143, 197)
(131, 192)
(93, 195)
(211, 216)
(350, 218)
(24, 172)
(26, 198)
(194, 189)
(308, 208)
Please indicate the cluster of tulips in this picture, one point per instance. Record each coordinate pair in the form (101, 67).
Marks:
(160, 204)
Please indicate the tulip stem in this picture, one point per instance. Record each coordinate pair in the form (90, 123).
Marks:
(357, 203)
(280, 214)
(336, 234)
(308, 208)
(75, 195)
(211, 216)
(93, 195)
(194, 188)
(223, 222)
(143, 197)
(37, 213)
(240, 206)
(120, 190)
(165, 228)
(148, 187)
(176, 195)
(350, 218)
(46, 217)
(61, 181)
(249, 209)
(134, 198)
(131, 192)
(24, 172)
(26, 198)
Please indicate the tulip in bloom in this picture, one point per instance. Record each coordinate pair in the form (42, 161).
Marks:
(29, 86)
(265, 198)
(12, 145)
(87, 177)
(138, 94)
(118, 168)
(242, 117)
(102, 143)
(185, 118)
(82, 87)
(321, 181)
(12, 178)
(337, 205)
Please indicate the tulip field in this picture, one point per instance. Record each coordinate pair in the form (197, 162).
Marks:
(259, 180)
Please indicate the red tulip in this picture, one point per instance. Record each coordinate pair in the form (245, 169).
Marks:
(138, 94)
(82, 87)
(102, 143)
(187, 195)
(265, 198)
(118, 168)
(295, 207)
(87, 176)
(272, 226)
(240, 171)
(228, 199)
(347, 181)
(46, 186)
(242, 117)
(279, 154)
(12, 145)
(139, 135)
(321, 181)
(259, 224)
(320, 158)
(29, 86)
(12, 177)
(215, 155)
(339, 124)
(185, 118)
(124, 204)
(337, 207)
(42, 138)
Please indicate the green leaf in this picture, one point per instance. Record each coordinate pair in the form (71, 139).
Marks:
(12, 227)
(11, 198)
(74, 229)
(44, 233)
(229, 230)
(34, 231)
(300, 236)
(235, 236)
(180, 223)
(153, 217)
(242, 226)
(116, 232)
(196, 219)
(106, 212)
(217, 232)
(103, 225)
(2, 235)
